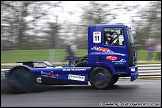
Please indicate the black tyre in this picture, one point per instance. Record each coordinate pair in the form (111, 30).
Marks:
(100, 78)
(115, 79)
(22, 81)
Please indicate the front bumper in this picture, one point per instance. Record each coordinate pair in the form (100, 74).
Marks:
(133, 72)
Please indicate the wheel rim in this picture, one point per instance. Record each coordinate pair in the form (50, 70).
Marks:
(100, 78)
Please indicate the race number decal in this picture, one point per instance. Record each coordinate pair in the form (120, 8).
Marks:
(96, 37)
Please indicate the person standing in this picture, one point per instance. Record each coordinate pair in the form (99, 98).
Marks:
(150, 50)
(73, 49)
(158, 52)
(68, 51)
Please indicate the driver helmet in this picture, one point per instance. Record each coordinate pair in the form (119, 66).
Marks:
(108, 36)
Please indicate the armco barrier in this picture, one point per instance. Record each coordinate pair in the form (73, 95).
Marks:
(145, 71)
(149, 70)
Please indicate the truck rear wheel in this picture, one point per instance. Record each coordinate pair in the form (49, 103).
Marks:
(100, 78)
(21, 81)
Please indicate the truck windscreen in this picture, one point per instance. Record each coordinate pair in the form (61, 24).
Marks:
(130, 36)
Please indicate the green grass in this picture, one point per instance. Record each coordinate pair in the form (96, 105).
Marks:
(36, 55)
(142, 55)
(50, 54)
(23, 55)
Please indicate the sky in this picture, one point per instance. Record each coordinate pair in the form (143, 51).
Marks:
(74, 7)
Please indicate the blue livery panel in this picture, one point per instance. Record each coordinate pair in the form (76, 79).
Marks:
(65, 73)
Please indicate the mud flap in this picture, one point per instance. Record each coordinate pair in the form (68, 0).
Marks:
(133, 72)
(134, 76)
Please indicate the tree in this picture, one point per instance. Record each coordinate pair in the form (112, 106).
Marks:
(17, 14)
(149, 27)
(51, 35)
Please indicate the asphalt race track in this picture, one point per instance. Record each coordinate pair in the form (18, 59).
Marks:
(123, 93)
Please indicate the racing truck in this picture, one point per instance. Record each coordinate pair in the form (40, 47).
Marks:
(111, 55)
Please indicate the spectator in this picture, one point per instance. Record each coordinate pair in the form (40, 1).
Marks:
(73, 49)
(68, 51)
(158, 52)
(150, 50)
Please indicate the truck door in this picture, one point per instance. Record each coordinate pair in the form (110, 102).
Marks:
(113, 48)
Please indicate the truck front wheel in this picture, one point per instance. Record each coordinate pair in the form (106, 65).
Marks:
(100, 78)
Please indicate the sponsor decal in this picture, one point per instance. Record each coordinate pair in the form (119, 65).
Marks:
(73, 69)
(106, 50)
(65, 69)
(111, 57)
(76, 77)
(49, 74)
(122, 61)
(101, 49)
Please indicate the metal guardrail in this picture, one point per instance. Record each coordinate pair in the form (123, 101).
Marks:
(149, 71)
(145, 71)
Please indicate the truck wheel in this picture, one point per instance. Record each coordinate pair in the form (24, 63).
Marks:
(100, 78)
(115, 79)
(21, 81)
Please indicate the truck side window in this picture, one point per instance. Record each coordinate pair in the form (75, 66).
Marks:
(113, 36)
